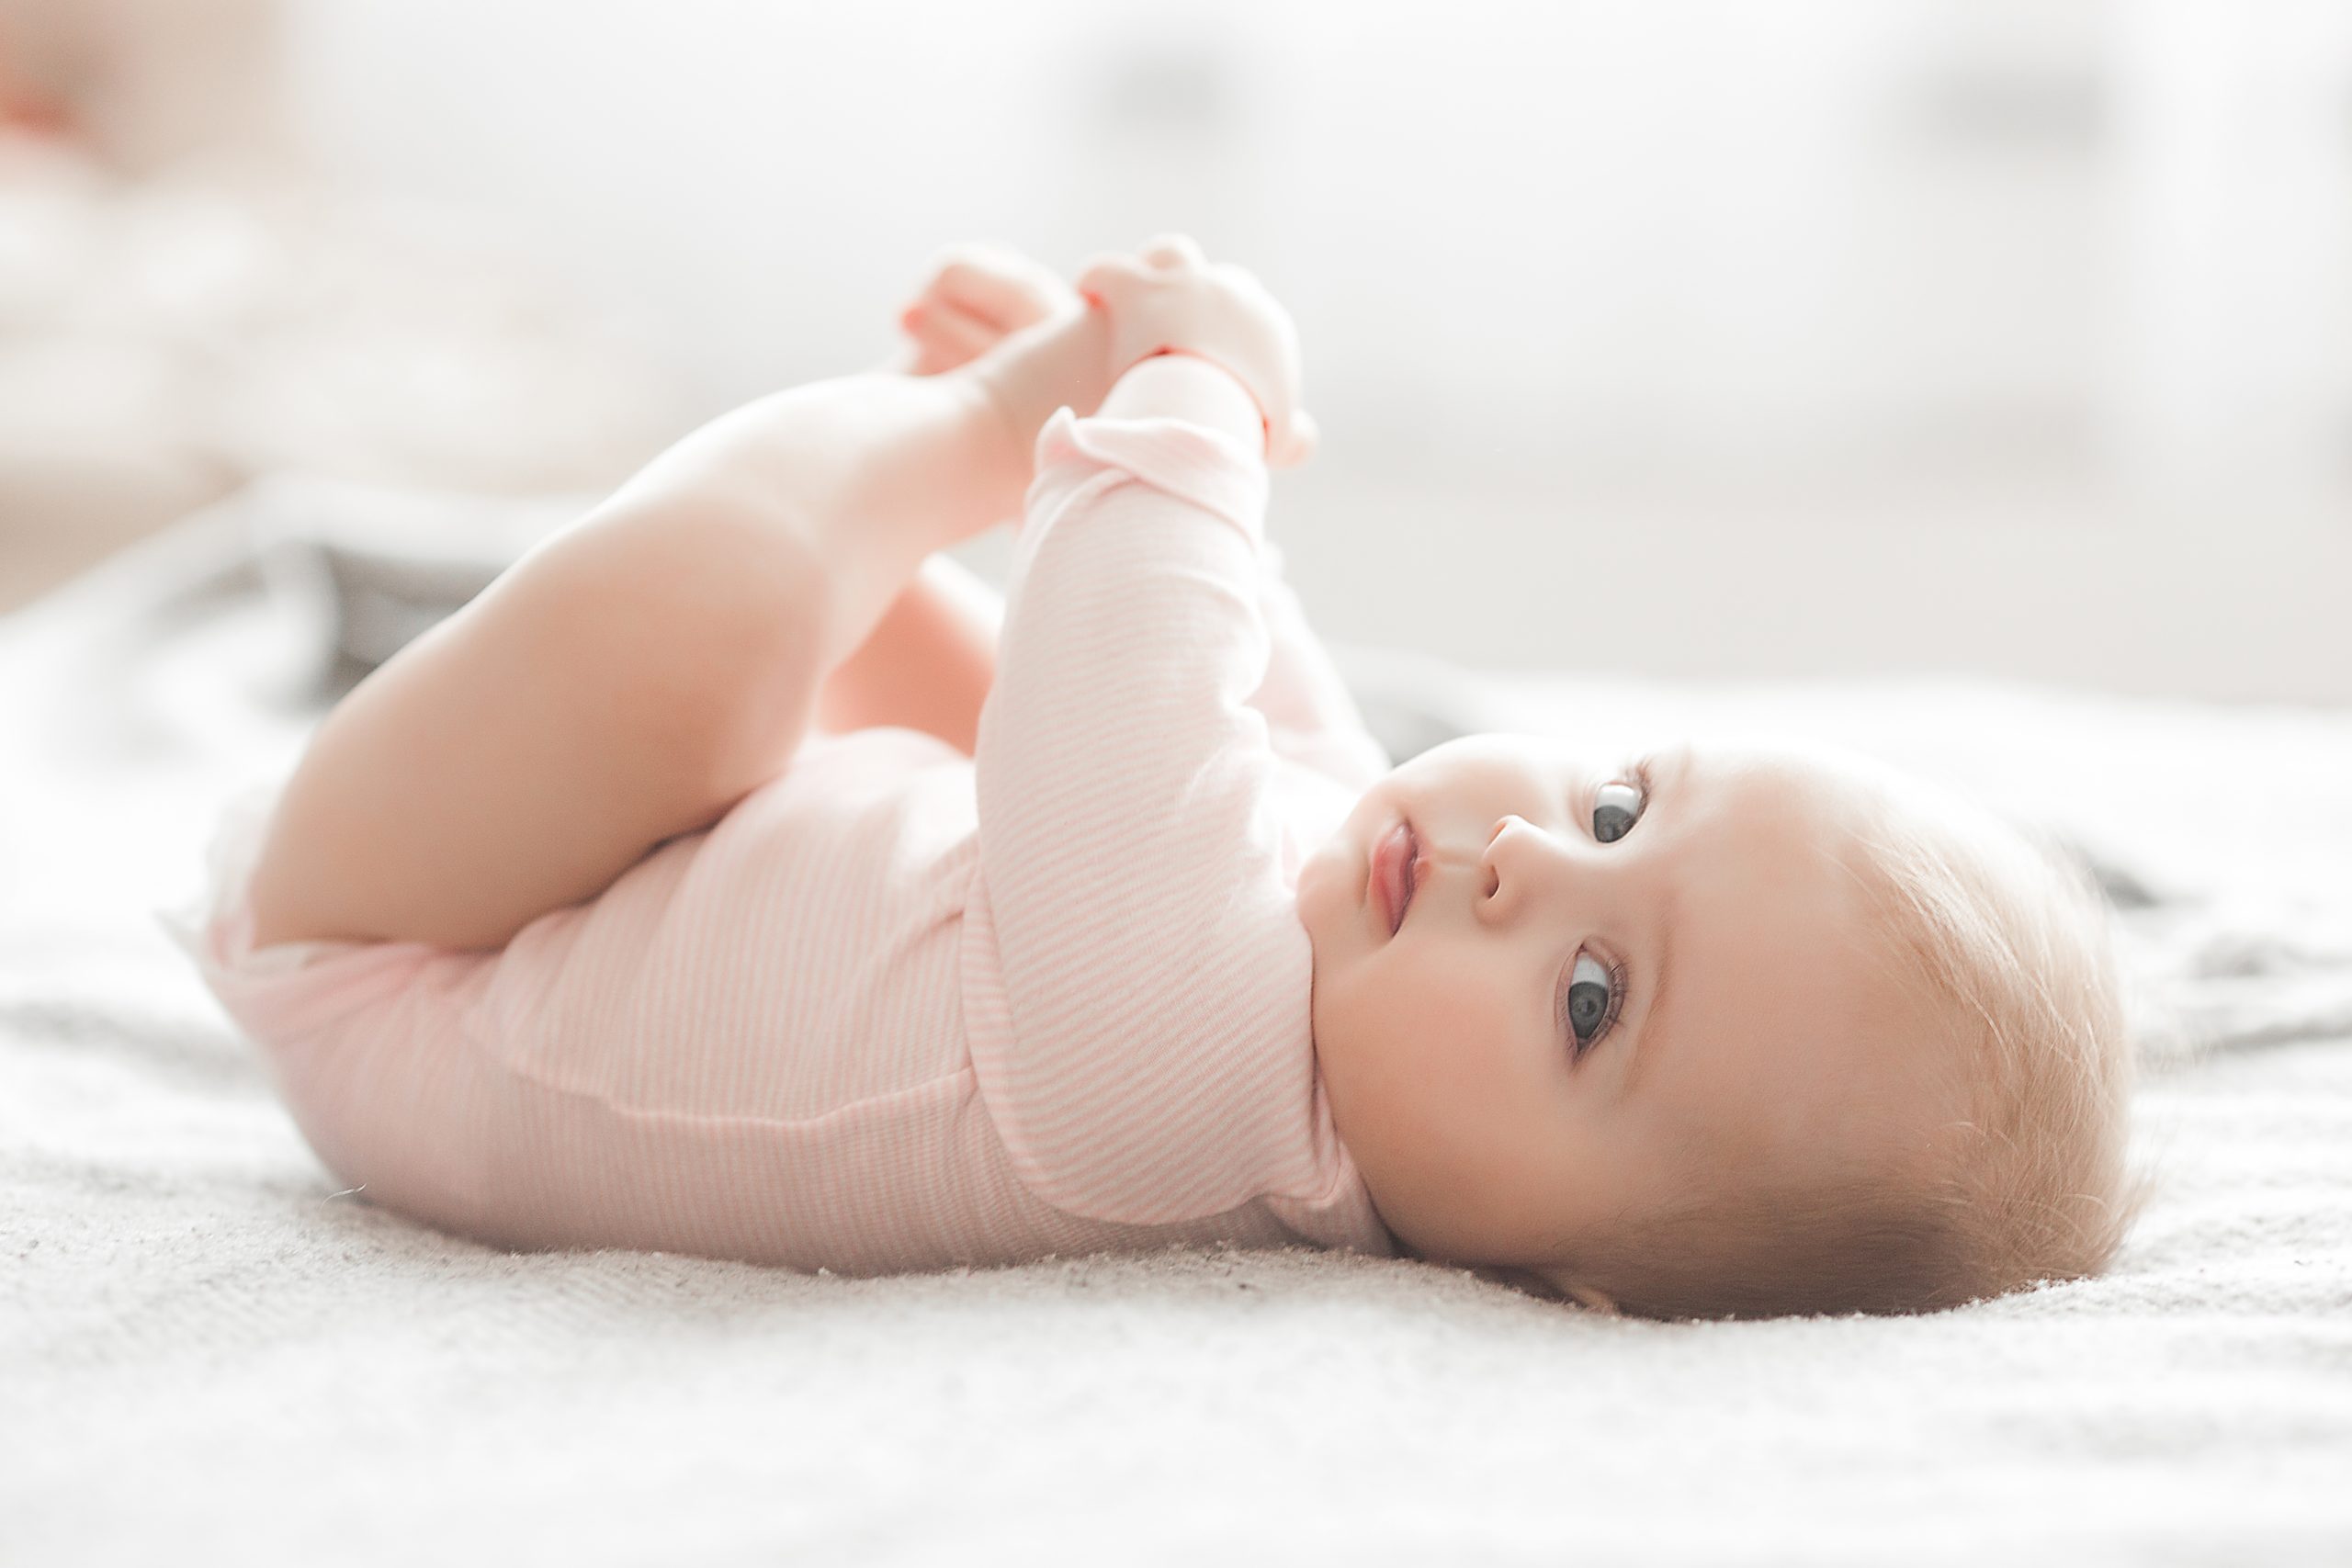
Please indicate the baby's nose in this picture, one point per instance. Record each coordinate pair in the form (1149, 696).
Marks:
(1525, 849)
(1511, 827)
(1508, 846)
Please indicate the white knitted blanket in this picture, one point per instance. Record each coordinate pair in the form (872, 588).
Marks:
(209, 1354)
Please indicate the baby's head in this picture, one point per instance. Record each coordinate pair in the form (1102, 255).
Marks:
(1723, 1032)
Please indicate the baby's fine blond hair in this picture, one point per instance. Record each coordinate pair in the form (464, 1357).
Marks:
(2003, 936)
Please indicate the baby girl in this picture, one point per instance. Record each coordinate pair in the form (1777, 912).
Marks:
(725, 879)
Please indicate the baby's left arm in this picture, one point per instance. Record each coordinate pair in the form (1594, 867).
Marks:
(1129, 917)
(1137, 977)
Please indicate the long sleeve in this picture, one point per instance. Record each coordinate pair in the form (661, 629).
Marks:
(1136, 981)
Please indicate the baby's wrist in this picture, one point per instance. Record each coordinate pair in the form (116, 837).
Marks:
(1179, 384)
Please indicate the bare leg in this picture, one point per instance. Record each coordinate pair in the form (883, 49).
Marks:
(928, 664)
(636, 674)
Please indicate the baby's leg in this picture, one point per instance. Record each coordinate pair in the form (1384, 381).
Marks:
(928, 665)
(932, 658)
(640, 672)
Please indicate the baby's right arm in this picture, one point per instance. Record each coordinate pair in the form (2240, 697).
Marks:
(1198, 316)
(1198, 391)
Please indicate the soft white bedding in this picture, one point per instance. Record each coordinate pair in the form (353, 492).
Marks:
(207, 1353)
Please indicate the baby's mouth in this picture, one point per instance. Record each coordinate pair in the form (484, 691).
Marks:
(1412, 871)
(1396, 872)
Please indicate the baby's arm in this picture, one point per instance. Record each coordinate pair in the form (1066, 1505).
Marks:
(1134, 946)
(1312, 717)
(929, 663)
(1183, 385)
(1130, 892)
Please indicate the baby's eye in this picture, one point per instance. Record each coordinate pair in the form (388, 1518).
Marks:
(1590, 1004)
(1615, 809)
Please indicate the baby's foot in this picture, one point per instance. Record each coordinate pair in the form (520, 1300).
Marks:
(978, 295)
(1014, 329)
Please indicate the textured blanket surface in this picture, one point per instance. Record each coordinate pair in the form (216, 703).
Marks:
(210, 1354)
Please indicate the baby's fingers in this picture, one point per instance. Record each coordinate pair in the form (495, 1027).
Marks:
(1178, 251)
(1292, 445)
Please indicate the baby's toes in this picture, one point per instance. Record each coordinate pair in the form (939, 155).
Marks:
(946, 336)
(1111, 280)
(1000, 286)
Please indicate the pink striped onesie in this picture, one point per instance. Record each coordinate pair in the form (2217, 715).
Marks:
(902, 1009)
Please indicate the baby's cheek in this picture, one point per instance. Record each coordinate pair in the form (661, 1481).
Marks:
(1417, 1033)
(1351, 1027)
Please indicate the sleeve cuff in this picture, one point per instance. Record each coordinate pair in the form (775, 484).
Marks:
(1207, 469)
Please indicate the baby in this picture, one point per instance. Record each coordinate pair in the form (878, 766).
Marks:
(721, 881)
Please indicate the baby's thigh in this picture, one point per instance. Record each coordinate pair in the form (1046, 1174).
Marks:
(624, 683)
(927, 665)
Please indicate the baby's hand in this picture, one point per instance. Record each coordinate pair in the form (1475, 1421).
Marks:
(1171, 298)
(976, 297)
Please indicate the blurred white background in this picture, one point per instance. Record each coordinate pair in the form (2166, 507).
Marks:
(1693, 338)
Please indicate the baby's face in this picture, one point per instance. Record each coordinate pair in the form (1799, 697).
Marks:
(1610, 983)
